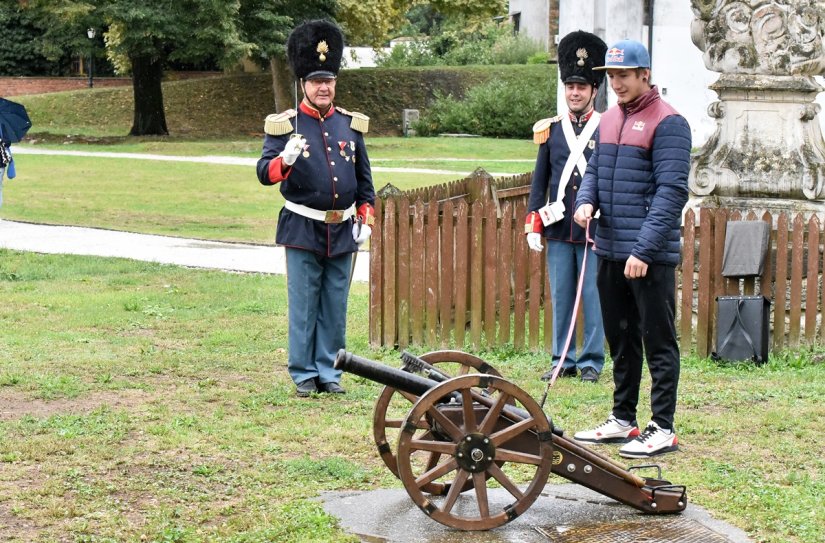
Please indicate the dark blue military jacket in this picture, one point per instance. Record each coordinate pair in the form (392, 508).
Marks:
(550, 162)
(333, 172)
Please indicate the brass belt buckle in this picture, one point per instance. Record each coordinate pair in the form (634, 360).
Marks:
(334, 216)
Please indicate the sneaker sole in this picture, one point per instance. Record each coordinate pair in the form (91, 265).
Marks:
(664, 450)
(611, 440)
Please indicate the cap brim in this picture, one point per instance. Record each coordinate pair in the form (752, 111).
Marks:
(577, 79)
(319, 75)
(617, 67)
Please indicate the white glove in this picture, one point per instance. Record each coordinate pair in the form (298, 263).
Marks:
(293, 148)
(534, 241)
(362, 235)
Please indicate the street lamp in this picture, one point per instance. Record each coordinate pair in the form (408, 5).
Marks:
(91, 33)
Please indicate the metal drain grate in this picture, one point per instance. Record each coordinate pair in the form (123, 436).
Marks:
(650, 530)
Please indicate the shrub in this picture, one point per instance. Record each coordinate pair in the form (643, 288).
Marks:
(411, 53)
(501, 108)
(458, 45)
(518, 49)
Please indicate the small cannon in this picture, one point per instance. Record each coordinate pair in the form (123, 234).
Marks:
(477, 431)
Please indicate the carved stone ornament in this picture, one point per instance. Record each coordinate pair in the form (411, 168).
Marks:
(768, 142)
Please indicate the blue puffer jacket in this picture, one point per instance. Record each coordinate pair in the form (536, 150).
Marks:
(638, 178)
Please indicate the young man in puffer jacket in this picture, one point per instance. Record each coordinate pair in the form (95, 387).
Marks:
(637, 178)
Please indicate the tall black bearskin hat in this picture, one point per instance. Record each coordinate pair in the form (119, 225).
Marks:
(579, 53)
(314, 50)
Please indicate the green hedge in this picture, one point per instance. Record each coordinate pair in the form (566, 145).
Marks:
(382, 93)
(237, 104)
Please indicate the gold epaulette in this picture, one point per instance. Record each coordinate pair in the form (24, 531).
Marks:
(360, 122)
(279, 124)
(541, 129)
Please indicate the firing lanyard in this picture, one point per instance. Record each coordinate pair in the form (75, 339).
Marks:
(572, 328)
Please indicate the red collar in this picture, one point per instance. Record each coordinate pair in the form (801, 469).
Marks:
(583, 118)
(314, 113)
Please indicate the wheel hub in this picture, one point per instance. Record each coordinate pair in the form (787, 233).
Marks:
(475, 452)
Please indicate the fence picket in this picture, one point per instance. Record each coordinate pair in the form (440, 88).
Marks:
(519, 285)
(797, 256)
(490, 272)
(476, 273)
(447, 271)
(536, 281)
(688, 266)
(781, 281)
(376, 314)
(703, 319)
(461, 273)
(812, 285)
(417, 244)
(505, 272)
(403, 267)
(767, 277)
(432, 276)
(390, 286)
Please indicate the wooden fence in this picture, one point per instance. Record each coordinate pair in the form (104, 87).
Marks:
(449, 267)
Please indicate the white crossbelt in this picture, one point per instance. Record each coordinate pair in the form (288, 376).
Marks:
(331, 216)
(576, 144)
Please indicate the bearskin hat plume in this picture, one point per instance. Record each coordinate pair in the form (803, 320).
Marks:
(314, 49)
(579, 53)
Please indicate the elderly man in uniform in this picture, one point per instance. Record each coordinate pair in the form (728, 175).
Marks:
(565, 144)
(316, 155)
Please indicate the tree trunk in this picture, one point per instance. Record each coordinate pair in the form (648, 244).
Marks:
(282, 86)
(150, 119)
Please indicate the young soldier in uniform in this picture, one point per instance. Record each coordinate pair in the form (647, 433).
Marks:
(316, 155)
(566, 143)
(637, 177)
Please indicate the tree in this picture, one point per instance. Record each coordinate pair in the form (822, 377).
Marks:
(143, 36)
(266, 24)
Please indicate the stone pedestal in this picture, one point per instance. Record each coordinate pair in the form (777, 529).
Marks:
(767, 144)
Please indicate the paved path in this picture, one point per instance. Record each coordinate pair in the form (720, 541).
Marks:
(244, 161)
(77, 240)
(166, 249)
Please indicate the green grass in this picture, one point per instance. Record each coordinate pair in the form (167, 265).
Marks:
(144, 402)
(209, 201)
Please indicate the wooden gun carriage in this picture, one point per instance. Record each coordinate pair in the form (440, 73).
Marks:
(478, 430)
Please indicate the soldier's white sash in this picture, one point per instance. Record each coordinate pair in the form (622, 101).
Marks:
(576, 146)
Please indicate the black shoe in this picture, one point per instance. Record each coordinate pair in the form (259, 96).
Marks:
(333, 388)
(589, 375)
(305, 388)
(565, 372)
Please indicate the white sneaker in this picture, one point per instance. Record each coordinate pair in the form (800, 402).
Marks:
(654, 440)
(610, 431)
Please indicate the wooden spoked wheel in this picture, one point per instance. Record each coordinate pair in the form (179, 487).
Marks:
(484, 451)
(393, 405)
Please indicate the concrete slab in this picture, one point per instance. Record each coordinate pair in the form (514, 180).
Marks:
(564, 513)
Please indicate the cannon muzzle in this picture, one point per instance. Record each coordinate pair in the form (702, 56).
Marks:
(381, 373)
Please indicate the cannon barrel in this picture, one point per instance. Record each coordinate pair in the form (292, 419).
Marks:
(381, 373)
(411, 383)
